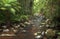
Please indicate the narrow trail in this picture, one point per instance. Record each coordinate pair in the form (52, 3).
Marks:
(30, 28)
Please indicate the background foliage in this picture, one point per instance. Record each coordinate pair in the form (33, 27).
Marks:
(10, 10)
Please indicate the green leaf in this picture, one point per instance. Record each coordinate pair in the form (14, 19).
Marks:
(7, 5)
(2, 8)
(58, 33)
(12, 10)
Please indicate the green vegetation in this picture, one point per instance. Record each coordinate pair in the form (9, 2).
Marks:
(10, 11)
(51, 11)
(17, 10)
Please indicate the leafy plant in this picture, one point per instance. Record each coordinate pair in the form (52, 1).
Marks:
(9, 9)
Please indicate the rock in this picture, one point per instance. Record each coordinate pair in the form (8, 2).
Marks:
(27, 23)
(50, 32)
(15, 30)
(6, 30)
(24, 31)
(4, 26)
(38, 37)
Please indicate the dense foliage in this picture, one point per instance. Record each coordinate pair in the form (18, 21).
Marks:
(50, 8)
(47, 15)
(10, 10)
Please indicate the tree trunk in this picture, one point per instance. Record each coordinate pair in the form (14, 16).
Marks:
(26, 6)
(7, 15)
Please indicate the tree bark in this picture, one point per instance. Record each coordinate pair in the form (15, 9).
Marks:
(26, 6)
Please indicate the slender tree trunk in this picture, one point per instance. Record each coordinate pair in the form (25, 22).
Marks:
(7, 14)
(26, 6)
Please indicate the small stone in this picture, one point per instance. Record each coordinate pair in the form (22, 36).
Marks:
(23, 25)
(39, 36)
(38, 32)
(12, 28)
(35, 33)
(15, 30)
(40, 26)
(18, 25)
(27, 23)
(47, 25)
(5, 30)
(24, 31)
(4, 26)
